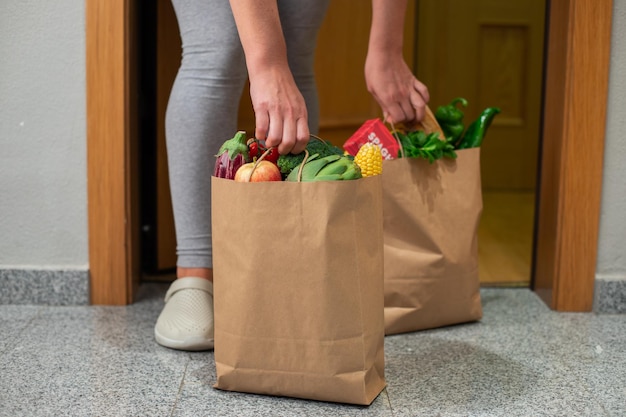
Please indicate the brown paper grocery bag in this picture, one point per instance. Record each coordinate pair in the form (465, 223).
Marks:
(431, 216)
(298, 271)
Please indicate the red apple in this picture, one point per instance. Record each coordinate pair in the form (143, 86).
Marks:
(264, 171)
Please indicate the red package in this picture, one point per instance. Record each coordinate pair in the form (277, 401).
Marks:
(373, 131)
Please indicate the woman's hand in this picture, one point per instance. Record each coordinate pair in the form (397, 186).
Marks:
(401, 96)
(389, 79)
(279, 108)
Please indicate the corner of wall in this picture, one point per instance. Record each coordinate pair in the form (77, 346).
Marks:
(610, 295)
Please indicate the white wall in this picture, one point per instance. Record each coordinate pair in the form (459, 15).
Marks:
(43, 195)
(612, 244)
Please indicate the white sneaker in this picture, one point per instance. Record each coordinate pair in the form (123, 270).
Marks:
(186, 322)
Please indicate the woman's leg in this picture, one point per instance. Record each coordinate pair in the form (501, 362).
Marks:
(202, 110)
(201, 115)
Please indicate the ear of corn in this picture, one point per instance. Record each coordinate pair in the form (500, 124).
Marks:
(370, 159)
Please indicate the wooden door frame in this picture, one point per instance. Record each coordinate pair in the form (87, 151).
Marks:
(570, 176)
(112, 180)
(569, 186)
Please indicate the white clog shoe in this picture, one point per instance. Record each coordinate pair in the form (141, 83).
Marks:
(186, 322)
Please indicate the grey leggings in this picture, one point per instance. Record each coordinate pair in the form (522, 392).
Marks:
(203, 104)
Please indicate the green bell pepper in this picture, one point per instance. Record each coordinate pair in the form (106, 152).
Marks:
(450, 118)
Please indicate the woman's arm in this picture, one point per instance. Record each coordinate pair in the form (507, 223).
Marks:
(389, 79)
(280, 110)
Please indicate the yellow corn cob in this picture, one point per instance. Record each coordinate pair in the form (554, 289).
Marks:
(370, 159)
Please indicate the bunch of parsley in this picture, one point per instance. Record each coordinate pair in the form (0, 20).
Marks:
(418, 144)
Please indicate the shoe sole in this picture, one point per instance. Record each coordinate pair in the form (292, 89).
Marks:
(193, 344)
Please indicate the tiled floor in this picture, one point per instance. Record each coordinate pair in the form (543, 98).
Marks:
(521, 359)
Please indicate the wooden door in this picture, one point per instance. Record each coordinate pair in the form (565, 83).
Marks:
(491, 53)
(345, 102)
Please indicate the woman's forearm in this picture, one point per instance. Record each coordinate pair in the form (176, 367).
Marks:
(279, 108)
(400, 95)
(260, 31)
(387, 30)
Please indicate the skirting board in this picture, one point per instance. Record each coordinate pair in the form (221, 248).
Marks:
(609, 295)
(44, 286)
(71, 287)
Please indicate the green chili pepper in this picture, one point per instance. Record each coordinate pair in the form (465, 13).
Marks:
(473, 136)
(450, 118)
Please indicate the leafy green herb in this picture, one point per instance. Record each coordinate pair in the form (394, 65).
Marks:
(418, 144)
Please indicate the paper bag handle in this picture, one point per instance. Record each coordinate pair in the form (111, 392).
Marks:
(428, 124)
(306, 156)
(256, 163)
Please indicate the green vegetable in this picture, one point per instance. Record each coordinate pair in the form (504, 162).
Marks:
(418, 144)
(235, 146)
(408, 150)
(287, 163)
(450, 118)
(435, 148)
(473, 136)
(328, 168)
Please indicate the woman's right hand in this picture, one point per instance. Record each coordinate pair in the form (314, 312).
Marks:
(279, 108)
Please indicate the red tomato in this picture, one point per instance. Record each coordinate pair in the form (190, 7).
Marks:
(272, 156)
(257, 148)
(254, 149)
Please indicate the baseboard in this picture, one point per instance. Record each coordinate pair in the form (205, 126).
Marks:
(44, 286)
(610, 295)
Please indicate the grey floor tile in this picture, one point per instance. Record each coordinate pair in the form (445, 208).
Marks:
(590, 347)
(14, 319)
(605, 374)
(521, 359)
(201, 369)
(198, 397)
(516, 361)
(454, 378)
(203, 400)
(90, 361)
(599, 357)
